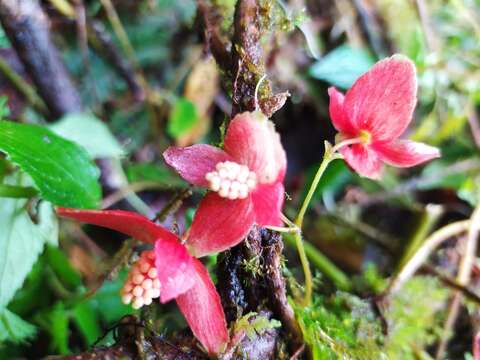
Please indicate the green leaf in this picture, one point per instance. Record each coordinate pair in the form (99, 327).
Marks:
(21, 241)
(58, 319)
(86, 319)
(91, 133)
(108, 301)
(342, 66)
(13, 328)
(62, 170)
(62, 267)
(158, 173)
(183, 118)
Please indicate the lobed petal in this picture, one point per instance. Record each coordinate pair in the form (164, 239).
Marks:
(363, 160)
(203, 311)
(383, 99)
(340, 120)
(126, 222)
(267, 202)
(194, 162)
(219, 224)
(251, 140)
(175, 268)
(405, 153)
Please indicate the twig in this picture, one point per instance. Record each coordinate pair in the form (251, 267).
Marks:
(104, 44)
(372, 28)
(26, 26)
(23, 87)
(463, 277)
(119, 30)
(428, 220)
(128, 189)
(422, 9)
(474, 123)
(173, 205)
(217, 43)
(423, 252)
(453, 283)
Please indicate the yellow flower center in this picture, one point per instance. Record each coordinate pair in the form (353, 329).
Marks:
(365, 137)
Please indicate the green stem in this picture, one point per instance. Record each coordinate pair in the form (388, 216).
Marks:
(323, 263)
(340, 279)
(11, 191)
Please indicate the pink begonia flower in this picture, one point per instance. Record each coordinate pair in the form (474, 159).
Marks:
(377, 109)
(168, 271)
(245, 180)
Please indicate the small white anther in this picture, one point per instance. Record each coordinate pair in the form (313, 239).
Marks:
(155, 293)
(127, 298)
(138, 279)
(137, 303)
(147, 284)
(152, 273)
(137, 291)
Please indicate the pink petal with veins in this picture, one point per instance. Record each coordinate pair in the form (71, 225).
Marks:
(175, 268)
(340, 120)
(219, 224)
(405, 153)
(126, 222)
(383, 99)
(194, 162)
(267, 203)
(251, 140)
(363, 160)
(203, 311)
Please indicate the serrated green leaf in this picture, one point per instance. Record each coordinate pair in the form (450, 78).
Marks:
(13, 328)
(183, 118)
(62, 170)
(91, 133)
(21, 241)
(342, 66)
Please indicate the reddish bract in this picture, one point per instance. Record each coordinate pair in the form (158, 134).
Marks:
(181, 276)
(246, 179)
(378, 109)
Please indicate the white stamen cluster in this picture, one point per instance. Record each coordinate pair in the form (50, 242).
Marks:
(142, 285)
(231, 180)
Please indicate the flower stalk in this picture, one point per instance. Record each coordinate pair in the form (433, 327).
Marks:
(320, 260)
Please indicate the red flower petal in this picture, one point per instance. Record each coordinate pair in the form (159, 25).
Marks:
(405, 153)
(382, 100)
(219, 224)
(251, 140)
(203, 311)
(267, 203)
(363, 160)
(175, 268)
(340, 121)
(194, 162)
(126, 222)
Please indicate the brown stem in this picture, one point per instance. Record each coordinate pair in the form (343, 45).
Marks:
(247, 56)
(276, 288)
(219, 46)
(104, 44)
(27, 27)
